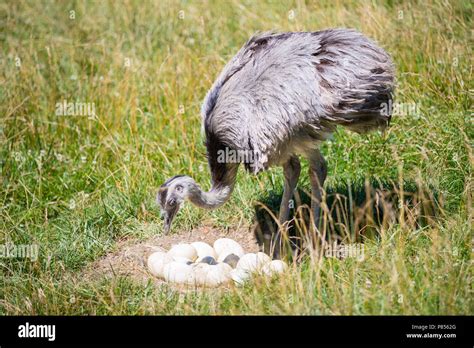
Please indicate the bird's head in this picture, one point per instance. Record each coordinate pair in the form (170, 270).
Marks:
(170, 197)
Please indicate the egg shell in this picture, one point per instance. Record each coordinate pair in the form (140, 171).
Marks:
(239, 276)
(156, 262)
(226, 252)
(226, 269)
(252, 262)
(200, 272)
(204, 249)
(183, 250)
(182, 259)
(218, 274)
(228, 245)
(263, 259)
(178, 272)
(274, 267)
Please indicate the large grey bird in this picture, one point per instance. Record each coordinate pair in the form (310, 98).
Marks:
(279, 97)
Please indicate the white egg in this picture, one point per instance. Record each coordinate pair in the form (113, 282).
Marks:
(200, 272)
(183, 250)
(204, 249)
(218, 274)
(156, 263)
(263, 259)
(252, 262)
(228, 245)
(178, 272)
(248, 262)
(225, 268)
(181, 259)
(239, 276)
(274, 267)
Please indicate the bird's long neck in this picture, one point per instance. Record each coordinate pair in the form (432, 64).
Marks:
(212, 199)
(218, 194)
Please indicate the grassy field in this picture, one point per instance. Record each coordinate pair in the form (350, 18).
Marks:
(75, 186)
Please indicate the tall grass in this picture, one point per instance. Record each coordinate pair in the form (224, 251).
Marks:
(76, 185)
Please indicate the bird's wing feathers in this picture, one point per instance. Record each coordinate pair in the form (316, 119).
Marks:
(282, 87)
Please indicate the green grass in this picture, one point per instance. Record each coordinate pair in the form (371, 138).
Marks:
(75, 186)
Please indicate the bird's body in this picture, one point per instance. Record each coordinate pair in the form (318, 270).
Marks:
(279, 97)
(281, 94)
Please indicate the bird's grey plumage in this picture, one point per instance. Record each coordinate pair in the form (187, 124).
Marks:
(279, 97)
(283, 92)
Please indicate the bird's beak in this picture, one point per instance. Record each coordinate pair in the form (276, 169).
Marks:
(167, 226)
(168, 219)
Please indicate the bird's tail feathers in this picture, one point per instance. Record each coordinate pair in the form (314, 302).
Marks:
(361, 122)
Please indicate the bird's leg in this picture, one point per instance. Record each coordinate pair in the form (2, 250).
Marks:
(291, 171)
(317, 175)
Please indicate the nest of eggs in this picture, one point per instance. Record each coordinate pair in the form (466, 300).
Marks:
(200, 264)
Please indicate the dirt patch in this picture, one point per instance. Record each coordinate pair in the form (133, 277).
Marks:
(130, 256)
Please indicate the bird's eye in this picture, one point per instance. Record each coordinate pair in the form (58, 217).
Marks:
(179, 188)
(171, 202)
